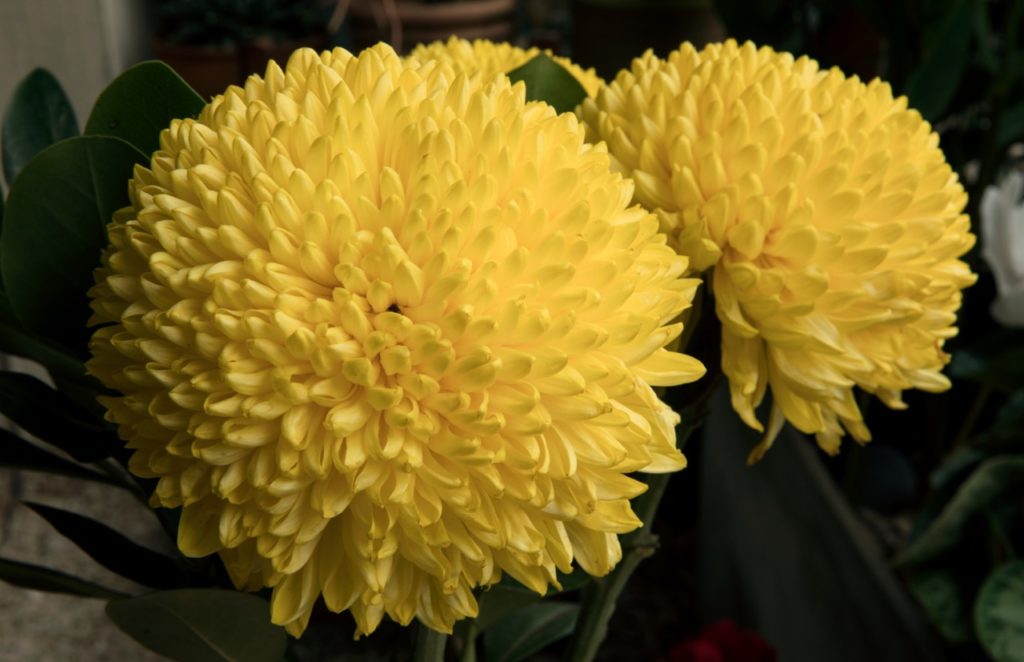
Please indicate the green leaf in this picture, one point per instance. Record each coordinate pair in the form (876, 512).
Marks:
(114, 551)
(55, 228)
(201, 625)
(17, 342)
(140, 103)
(932, 86)
(17, 453)
(986, 484)
(548, 81)
(529, 630)
(996, 359)
(508, 595)
(999, 613)
(1007, 430)
(54, 418)
(39, 115)
(1011, 125)
(939, 593)
(497, 602)
(39, 578)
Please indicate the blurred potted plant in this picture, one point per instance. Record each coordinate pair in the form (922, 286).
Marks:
(405, 23)
(215, 44)
(610, 33)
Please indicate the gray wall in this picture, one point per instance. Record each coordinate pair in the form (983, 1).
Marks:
(85, 43)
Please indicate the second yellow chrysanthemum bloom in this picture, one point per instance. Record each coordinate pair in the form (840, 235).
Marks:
(825, 207)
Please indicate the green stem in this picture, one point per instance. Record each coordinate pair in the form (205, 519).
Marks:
(430, 644)
(599, 605)
(690, 401)
(467, 632)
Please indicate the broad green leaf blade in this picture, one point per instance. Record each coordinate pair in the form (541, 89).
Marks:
(201, 625)
(17, 342)
(55, 227)
(548, 81)
(17, 453)
(54, 418)
(988, 482)
(529, 630)
(140, 103)
(999, 613)
(932, 86)
(508, 595)
(939, 593)
(114, 551)
(498, 602)
(39, 578)
(39, 115)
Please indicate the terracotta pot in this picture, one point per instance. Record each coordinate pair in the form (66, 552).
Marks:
(420, 22)
(210, 70)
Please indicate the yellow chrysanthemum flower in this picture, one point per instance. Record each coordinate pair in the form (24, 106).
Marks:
(386, 332)
(498, 58)
(828, 212)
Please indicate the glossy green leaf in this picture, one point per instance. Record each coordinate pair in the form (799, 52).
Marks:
(114, 551)
(39, 578)
(508, 595)
(548, 81)
(54, 418)
(529, 630)
(140, 103)
(939, 593)
(201, 625)
(987, 483)
(16, 453)
(38, 115)
(497, 602)
(55, 228)
(999, 613)
(932, 86)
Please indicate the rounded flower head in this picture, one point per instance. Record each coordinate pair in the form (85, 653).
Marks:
(828, 212)
(386, 332)
(489, 57)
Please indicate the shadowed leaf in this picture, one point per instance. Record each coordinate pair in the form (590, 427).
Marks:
(38, 115)
(201, 625)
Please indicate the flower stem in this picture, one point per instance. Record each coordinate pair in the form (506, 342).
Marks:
(430, 644)
(599, 605)
(691, 402)
(468, 631)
